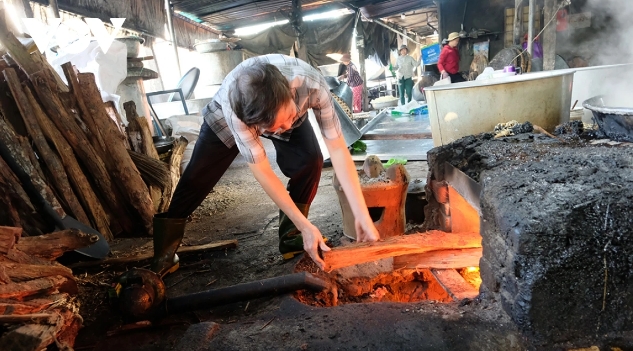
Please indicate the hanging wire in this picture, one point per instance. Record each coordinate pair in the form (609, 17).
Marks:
(563, 4)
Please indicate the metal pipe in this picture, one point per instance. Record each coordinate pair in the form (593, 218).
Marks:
(371, 124)
(530, 42)
(172, 33)
(253, 290)
(395, 31)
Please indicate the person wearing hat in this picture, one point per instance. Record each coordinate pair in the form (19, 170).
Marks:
(404, 72)
(347, 71)
(448, 63)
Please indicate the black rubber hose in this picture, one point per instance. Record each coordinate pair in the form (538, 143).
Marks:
(253, 290)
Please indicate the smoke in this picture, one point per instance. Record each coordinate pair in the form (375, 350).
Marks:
(609, 41)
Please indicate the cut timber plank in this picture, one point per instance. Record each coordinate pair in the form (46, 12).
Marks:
(397, 246)
(51, 246)
(454, 284)
(30, 337)
(218, 245)
(14, 307)
(23, 272)
(442, 259)
(48, 285)
(8, 237)
(46, 318)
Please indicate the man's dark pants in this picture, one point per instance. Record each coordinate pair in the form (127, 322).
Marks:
(299, 159)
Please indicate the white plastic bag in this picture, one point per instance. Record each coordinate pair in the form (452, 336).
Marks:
(444, 81)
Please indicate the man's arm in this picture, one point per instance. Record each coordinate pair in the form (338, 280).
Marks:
(441, 62)
(348, 177)
(312, 238)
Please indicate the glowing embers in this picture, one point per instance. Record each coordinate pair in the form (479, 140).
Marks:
(379, 282)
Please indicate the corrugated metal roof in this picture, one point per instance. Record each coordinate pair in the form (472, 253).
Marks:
(230, 14)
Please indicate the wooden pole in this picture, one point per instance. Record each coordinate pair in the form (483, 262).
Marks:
(85, 193)
(88, 155)
(360, 45)
(58, 176)
(530, 42)
(172, 34)
(120, 164)
(518, 21)
(549, 37)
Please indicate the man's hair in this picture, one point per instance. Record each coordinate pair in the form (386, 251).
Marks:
(257, 94)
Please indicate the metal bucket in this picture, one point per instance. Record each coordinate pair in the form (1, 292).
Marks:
(461, 109)
(615, 122)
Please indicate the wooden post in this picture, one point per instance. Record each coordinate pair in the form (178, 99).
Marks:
(530, 42)
(549, 37)
(518, 21)
(360, 45)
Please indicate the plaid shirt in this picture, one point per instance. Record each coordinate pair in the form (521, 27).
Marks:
(309, 89)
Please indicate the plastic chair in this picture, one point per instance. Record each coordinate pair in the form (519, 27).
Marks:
(183, 91)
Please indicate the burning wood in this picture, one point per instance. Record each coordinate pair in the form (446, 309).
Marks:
(397, 246)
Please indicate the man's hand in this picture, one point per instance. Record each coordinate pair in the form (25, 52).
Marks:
(444, 74)
(312, 241)
(366, 231)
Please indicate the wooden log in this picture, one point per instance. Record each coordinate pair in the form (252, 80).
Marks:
(51, 246)
(121, 167)
(218, 245)
(84, 150)
(139, 132)
(46, 318)
(28, 151)
(8, 237)
(41, 286)
(30, 337)
(47, 155)
(88, 117)
(174, 169)
(442, 259)
(23, 272)
(13, 307)
(4, 277)
(9, 138)
(354, 254)
(9, 109)
(454, 284)
(17, 256)
(112, 111)
(19, 203)
(29, 62)
(84, 191)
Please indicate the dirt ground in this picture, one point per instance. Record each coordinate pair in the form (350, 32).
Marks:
(239, 209)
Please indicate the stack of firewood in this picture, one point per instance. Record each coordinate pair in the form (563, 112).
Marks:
(76, 151)
(38, 303)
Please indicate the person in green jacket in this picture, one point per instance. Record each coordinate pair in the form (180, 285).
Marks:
(405, 65)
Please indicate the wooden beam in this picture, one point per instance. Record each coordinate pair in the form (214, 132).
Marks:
(454, 284)
(442, 259)
(549, 36)
(218, 245)
(47, 285)
(358, 253)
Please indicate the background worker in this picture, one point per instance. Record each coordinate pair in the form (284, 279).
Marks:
(347, 71)
(448, 63)
(404, 67)
(266, 96)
